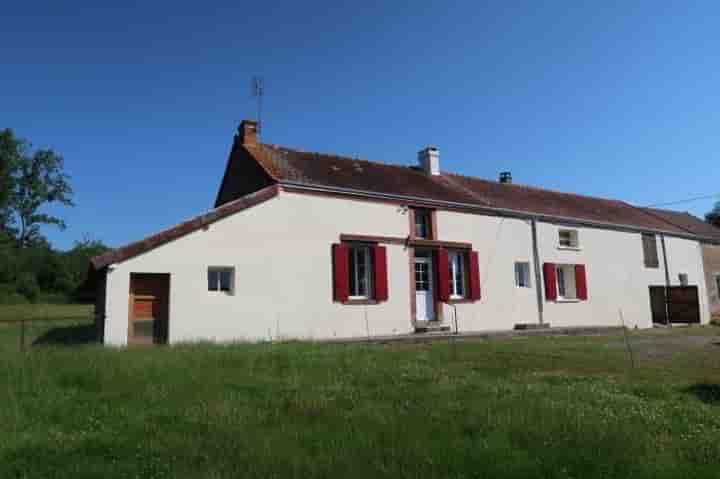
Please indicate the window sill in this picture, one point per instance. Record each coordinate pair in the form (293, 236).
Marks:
(459, 300)
(359, 301)
(569, 248)
(568, 300)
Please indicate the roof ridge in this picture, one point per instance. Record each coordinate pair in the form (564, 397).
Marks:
(533, 188)
(339, 157)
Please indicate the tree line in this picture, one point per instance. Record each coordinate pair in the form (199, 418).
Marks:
(31, 270)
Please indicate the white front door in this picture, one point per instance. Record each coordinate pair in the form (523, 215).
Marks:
(424, 298)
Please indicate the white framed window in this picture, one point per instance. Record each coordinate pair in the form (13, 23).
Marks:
(568, 239)
(683, 278)
(457, 274)
(566, 286)
(522, 274)
(422, 224)
(221, 279)
(360, 272)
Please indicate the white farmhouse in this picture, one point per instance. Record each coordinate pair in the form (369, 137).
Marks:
(313, 246)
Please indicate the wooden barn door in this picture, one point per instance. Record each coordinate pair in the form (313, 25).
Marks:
(149, 308)
(684, 304)
(658, 304)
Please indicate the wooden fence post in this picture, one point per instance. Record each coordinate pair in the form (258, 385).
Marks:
(22, 335)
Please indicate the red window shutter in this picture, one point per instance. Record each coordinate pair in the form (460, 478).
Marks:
(474, 275)
(442, 273)
(580, 281)
(380, 278)
(340, 256)
(550, 281)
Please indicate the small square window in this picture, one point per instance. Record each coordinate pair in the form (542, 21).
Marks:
(221, 279)
(522, 275)
(568, 239)
(683, 278)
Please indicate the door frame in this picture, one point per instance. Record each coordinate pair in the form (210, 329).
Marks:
(413, 299)
(430, 295)
(164, 334)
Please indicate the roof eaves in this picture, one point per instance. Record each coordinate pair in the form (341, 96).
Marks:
(123, 253)
(481, 208)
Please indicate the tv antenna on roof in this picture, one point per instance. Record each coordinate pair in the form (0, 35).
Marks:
(257, 89)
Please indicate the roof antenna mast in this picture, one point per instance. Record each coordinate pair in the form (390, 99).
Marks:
(257, 88)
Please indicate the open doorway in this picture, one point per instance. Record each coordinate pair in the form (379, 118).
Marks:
(149, 308)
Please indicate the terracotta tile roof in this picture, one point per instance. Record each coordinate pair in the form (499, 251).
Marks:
(687, 222)
(561, 205)
(285, 164)
(288, 165)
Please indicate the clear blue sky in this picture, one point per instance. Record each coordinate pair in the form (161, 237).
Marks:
(142, 101)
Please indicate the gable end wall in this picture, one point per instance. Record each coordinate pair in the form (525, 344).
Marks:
(243, 175)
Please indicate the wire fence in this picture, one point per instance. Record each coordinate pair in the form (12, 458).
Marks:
(23, 333)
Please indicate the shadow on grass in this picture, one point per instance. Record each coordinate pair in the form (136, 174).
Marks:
(707, 393)
(68, 336)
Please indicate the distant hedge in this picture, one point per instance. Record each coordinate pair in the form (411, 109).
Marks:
(40, 274)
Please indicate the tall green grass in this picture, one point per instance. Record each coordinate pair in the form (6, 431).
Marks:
(536, 407)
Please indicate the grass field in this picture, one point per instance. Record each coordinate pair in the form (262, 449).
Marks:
(44, 311)
(533, 407)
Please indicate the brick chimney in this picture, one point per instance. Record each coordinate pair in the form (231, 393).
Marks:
(247, 132)
(429, 160)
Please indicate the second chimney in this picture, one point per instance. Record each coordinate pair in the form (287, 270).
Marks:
(505, 177)
(429, 160)
(247, 132)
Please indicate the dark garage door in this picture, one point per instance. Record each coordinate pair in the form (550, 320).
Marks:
(683, 304)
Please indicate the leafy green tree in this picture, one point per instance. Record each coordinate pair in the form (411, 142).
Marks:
(713, 217)
(75, 267)
(29, 181)
(10, 148)
(27, 285)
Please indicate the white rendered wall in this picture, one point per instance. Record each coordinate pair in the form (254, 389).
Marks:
(500, 242)
(617, 278)
(281, 252)
(685, 256)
